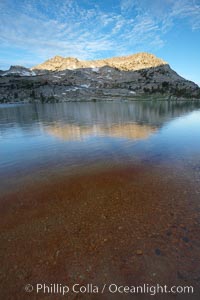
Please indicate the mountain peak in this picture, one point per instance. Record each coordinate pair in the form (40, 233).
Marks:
(127, 63)
(18, 70)
(57, 57)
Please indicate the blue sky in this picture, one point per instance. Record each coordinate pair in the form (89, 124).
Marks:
(32, 31)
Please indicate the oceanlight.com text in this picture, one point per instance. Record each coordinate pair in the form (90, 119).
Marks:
(112, 288)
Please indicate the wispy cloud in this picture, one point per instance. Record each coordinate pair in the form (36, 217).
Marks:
(189, 10)
(84, 29)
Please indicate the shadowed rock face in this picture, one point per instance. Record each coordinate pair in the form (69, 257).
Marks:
(68, 79)
(18, 70)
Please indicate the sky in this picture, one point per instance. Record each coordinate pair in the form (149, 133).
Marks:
(32, 31)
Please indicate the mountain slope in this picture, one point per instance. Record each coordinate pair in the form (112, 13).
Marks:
(69, 79)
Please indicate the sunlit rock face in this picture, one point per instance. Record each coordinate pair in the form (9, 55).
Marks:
(126, 63)
(127, 131)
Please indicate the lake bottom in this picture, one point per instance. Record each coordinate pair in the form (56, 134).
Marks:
(126, 225)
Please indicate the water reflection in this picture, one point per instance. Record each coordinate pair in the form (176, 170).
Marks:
(73, 134)
(127, 131)
(69, 132)
(28, 116)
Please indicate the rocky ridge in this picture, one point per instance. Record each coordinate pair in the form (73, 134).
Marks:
(124, 63)
(69, 79)
(18, 70)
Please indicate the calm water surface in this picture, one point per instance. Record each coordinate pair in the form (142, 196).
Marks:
(129, 212)
(69, 136)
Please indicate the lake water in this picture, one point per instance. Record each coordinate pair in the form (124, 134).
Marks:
(71, 136)
(100, 193)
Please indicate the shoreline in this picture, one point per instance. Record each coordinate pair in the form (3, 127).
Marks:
(144, 98)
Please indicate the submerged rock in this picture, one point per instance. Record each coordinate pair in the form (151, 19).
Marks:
(157, 251)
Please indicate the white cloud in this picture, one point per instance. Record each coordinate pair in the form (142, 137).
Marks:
(45, 28)
(127, 5)
(189, 10)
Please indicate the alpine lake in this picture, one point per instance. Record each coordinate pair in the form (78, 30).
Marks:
(99, 193)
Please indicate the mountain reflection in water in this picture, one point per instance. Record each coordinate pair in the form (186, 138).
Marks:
(128, 131)
(39, 136)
